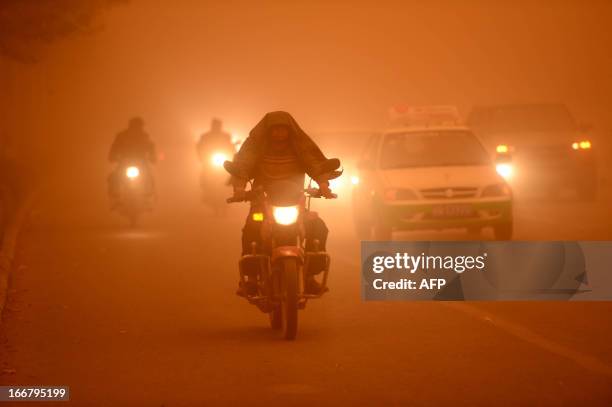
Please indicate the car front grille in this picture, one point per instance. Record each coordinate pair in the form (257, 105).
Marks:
(449, 193)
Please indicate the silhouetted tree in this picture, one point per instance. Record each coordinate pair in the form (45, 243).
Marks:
(26, 26)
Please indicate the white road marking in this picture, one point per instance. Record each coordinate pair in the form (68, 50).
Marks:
(523, 333)
(518, 331)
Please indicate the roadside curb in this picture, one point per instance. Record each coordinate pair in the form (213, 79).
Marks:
(9, 244)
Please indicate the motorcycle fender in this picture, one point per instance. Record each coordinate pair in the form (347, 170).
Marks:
(287, 251)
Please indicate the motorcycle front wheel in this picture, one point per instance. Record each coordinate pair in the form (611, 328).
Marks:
(290, 297)
(276, 318)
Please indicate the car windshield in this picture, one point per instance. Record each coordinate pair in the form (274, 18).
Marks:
(432, 149)
(523, 118)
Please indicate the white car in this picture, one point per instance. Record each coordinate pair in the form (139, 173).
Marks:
(429, 177)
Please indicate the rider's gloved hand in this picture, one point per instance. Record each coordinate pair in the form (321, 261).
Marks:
(239, 194)
(324, 189)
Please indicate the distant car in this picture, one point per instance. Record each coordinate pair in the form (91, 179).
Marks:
(539, 146)
(429, 178)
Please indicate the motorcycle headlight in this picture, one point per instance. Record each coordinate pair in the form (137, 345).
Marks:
(505, 170)
(285, 215)
(132, 172)
(496, 190)
(218, 159)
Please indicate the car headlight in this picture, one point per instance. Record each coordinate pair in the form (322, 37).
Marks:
(132, 172)
(505, 170)
(496, 190)
(218, 159)
(285, 215)
(355, 180)
(502, 149)
(581, 145)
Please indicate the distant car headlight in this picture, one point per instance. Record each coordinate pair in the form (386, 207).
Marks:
(502, 149)
(132, 172)
(218, 159)
(581, 145)
(505, 170)
(285, 215)
(496, 190)
(400, 195)
(355, 180)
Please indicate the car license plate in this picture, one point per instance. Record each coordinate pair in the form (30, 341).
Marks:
(452, 211)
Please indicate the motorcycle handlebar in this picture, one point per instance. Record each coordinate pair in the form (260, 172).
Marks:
(233, 199)
(316, 193)
(312, 192)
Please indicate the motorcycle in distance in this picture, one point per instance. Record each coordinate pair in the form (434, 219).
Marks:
(214, 181)
(136, 191)
(279, 271)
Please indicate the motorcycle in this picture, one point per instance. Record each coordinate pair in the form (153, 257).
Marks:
(278, 272)
(214, 181)
(136, 191)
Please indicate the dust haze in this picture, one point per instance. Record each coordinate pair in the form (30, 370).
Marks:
(334, 65)
(153, 308)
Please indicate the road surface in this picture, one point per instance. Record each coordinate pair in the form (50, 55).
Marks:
(149, 317)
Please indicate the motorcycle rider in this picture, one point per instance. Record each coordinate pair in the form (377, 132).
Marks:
(134, 144)
(277, 149)
(213, 148)
(213, 140)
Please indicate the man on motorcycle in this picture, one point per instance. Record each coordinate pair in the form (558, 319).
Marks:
(130, 144)
(214, 140)
(277, 149)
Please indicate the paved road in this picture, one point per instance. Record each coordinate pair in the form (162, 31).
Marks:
(149, 317)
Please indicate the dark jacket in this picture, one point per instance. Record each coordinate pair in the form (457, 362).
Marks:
(212, 141)
(132, 144)
(308, 153)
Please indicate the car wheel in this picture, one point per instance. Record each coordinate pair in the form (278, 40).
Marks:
(503, 231)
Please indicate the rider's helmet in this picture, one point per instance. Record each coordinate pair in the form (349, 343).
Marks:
(136, 122)
(216, 125)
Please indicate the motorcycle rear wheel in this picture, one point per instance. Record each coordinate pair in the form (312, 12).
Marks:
(289, 275)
